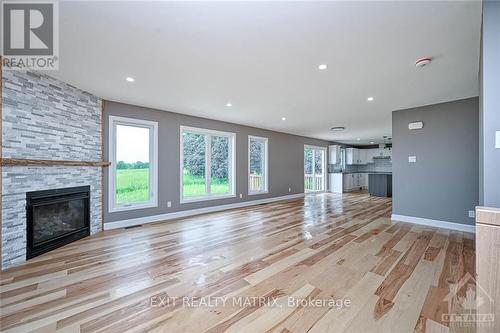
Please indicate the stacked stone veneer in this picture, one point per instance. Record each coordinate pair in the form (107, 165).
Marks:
(44, 118)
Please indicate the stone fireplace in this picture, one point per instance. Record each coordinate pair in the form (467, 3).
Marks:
(46, 119)
(55, 218)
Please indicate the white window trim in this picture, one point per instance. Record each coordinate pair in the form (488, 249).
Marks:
(325, 165)
(153, 164)
(232, 160)
(266, 169)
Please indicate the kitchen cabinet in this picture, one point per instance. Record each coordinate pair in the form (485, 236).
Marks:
(346, 183)
(334, 154)
(336, 181)
(363, 158)
(355, 156)
(354, 181)
(351, 156)
(364, 180)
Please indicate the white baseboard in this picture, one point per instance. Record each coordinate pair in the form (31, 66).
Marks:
(192, 212)
(434, 223)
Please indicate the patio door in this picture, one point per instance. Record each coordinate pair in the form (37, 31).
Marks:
(314, 169)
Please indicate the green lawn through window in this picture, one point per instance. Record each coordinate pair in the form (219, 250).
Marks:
(194, 186)
(132, 185)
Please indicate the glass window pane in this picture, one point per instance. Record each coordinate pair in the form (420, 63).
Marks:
(308, 169)
(318, 161)
(193, 173)
(132, 166)
(318, 170)
(219, 158)
(256, 181)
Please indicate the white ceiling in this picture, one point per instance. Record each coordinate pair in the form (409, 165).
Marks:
(193, 58)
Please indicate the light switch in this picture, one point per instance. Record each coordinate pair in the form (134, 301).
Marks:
(497, 139)
(412, 159)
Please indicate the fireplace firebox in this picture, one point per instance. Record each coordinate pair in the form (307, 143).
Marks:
(55, 218)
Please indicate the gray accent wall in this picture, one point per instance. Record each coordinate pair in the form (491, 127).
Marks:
(286, 159)
(443, 183)
(489, 161)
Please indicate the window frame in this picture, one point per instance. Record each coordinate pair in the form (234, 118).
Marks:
(266, 164)
(208, 133)
(114, 121)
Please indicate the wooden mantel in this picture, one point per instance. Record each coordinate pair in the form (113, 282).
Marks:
(26, 162)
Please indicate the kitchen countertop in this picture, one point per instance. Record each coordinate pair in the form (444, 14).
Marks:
(372, 172)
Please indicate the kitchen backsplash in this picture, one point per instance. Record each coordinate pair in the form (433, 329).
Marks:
(379, 165)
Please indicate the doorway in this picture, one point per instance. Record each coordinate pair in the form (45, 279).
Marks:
(314, 169)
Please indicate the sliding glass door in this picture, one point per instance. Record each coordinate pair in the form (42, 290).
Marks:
(314, 169)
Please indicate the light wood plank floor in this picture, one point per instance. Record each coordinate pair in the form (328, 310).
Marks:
(383, 276)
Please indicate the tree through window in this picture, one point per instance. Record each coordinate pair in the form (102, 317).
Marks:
(207, 164)
(257, 165)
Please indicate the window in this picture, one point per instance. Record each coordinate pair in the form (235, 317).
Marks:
(257, 165)
(133, 174)
(207, 164)
(314, 169)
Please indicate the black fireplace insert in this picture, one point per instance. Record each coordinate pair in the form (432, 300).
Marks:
(56, 217)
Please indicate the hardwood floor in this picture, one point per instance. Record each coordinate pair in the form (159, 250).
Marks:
(326, 263)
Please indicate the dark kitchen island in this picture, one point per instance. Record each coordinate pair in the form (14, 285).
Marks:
(380, 184)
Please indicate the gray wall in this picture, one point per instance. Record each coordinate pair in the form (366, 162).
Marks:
(489, 161)
(443, 183)
(286, 159)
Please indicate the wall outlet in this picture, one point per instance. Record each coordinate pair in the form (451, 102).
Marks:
(169, 203)
(412, 159)
(241, 195)
(289, 189)
(497, 139)
(472, 213)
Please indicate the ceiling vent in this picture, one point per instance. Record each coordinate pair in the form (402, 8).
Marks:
(422, 62)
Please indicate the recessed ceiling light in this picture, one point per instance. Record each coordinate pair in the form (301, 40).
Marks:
(229, 105)
(283, 118)
(130, 79)
(369, 99)
(358, 139)
(371, 142)
(322, 66)
(337, 128)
